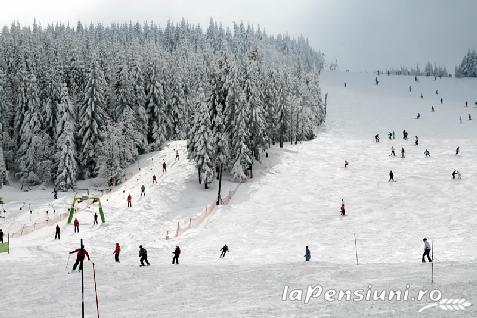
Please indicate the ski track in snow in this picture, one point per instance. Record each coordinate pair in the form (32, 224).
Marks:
(293, 201)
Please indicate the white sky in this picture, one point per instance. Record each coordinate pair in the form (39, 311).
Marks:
(361, 34)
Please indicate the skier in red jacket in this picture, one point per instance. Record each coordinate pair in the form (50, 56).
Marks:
(81, 253)
(129, 201)
(76, 225)
(116, 252)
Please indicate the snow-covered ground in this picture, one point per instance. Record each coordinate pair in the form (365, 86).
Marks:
(293, 201)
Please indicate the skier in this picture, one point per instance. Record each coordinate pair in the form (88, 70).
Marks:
(307, 254)
(402, 152)
(81, 253)
(391, 176)
(393, 153)
(457, 151)
(394, 135)
(437, 92)
(416, 142)
(76, 225)
(343, 211)
(427, 250)
(376, 138)
(422, 96)
(224, 250)
(1, 236)
(154, 179)
(143, 190)
(55, 194)
(95, 218)
(164, 166)
(57, 232)
(116, 252)
(470, 117)
(129, 201)
(442, 101)
(427, 153)
(390, 135)
(432, 109)
(345, 84)
(410, 88)
(377, 82)
(456, 173)
(415, 78)
(143, 256)
(404, 134)
(346, 164)
(177, 252)
(460, 119)
(177, 155)
(466, 104)
(418, 116)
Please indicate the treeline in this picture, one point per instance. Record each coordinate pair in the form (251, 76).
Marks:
(429, 70)
(468, 66)
(85, 101)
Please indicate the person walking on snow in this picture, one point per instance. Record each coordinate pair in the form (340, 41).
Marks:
(224, 250)
(427, 153)
(177, 252)
(391, 176)
(95, 218)
(76, 225)
(343, 211)
(143, 190)
(129, 201)
(307, 254)
(57, 232)
(402, 152)
(116, 252)
(81, 253)
(154, 179)
(143, 256)
(164, 166)
(427, 251)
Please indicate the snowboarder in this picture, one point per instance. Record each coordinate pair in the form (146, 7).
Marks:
(427, 250)
(95, 218)
(307, 254)
(346, 164)
(129, 201)
(81, 253)
(402, 152)
(343, 211)
(154, 179)
(76, 225)
(143, 190)
(1, 236)
(143, 256)
(57, 232)
(427, 153)
(164, 166)
(418, 115)
(393, 153)
(177, 252)
(177, 155)
(391, 176)
(116, 252)
(376, 138)
(432, 109)
(224, 250)
(457, 150)
(416, 141)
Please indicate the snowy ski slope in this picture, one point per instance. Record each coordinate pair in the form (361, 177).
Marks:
(293, 201)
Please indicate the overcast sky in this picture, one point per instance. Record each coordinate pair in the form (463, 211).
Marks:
(360, 34)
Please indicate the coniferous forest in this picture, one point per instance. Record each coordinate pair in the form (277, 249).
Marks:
(81, 101)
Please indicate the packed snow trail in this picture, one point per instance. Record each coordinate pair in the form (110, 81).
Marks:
(293, 201)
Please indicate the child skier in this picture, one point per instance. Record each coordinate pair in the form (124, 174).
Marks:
(116, 252)
(224, 250)
(143, 256)
(76, 225)
(177, 252)
(81, 253)
(307, 254)
(129, 201)
(427, 250)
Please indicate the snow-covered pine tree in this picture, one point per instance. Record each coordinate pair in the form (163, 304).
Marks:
(242, 156)
(156, 109)
(67, 170)
(91, 121)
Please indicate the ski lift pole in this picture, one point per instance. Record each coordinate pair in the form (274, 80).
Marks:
(432, 264)
(82, 286)
(356, 248)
